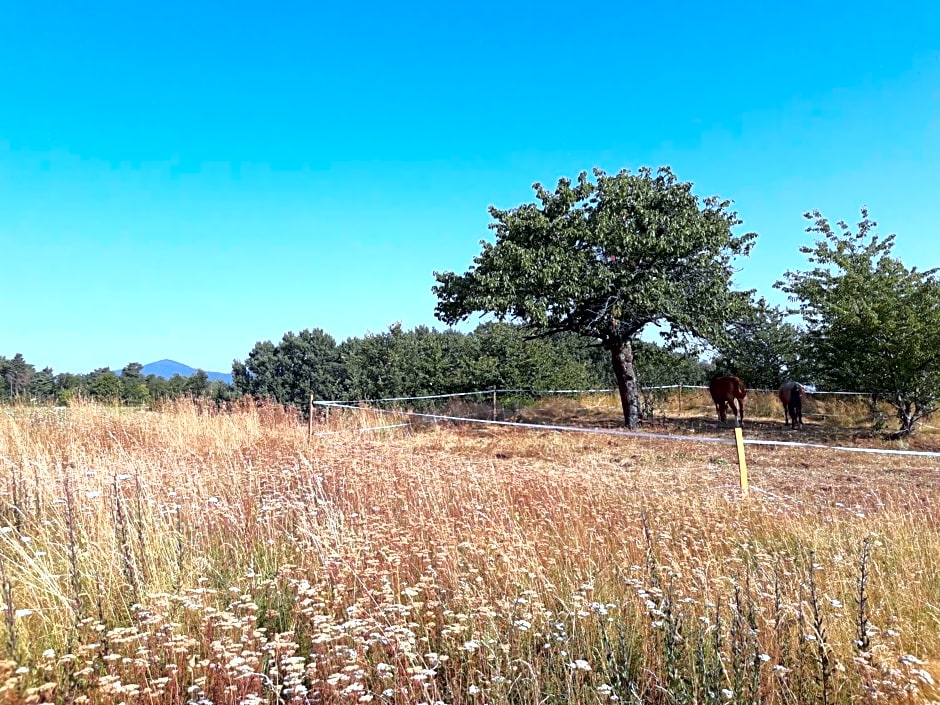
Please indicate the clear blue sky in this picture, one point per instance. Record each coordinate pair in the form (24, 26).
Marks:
(184, 179)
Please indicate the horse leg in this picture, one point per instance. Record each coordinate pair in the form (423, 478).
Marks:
(786, 414)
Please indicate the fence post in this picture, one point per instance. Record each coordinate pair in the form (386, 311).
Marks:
(742, 463)
(680, 397)
(310, 419)
(494, 403)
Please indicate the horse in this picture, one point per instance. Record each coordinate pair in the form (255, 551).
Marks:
(791, 396)
(724, 391)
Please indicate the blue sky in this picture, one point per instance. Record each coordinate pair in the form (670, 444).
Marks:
(183, 180)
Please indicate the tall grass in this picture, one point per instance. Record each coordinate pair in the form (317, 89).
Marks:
(188, 556)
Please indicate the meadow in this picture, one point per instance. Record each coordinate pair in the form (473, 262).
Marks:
(189, 556)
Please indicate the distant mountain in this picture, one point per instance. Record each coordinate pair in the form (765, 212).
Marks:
(168, 368)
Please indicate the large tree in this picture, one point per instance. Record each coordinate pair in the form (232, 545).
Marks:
(302, 364)
(16, 375)
(873, 324)
(603, 259)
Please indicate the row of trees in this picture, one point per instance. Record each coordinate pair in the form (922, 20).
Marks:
(425, 361)
(394, 363)
(22, 381)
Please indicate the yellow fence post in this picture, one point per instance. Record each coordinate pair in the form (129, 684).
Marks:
(742, 463)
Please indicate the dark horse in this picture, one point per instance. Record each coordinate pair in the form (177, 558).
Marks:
(791, 396)
(724, 391)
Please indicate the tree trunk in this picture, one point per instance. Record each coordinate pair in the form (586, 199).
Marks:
(906, 419)
(621, 355)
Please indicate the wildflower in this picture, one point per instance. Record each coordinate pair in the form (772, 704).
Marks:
(522, 625)
(93, 494)
(764, 657)
(473, 690)
(471, 645)
(579, 665)
(727, 693)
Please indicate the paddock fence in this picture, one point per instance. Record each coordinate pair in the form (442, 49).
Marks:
(602, 406)
(517, 407)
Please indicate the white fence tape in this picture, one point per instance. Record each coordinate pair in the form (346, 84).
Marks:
(425, 396)
(486, 392)
(360, 430)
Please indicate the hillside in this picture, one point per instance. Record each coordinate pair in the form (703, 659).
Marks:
(168, 368)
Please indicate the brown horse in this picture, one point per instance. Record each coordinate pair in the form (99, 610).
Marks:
(791, 396)
(724, 391)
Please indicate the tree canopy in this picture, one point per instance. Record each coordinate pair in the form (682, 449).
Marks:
(762, 347)
(603, 259)
(873, 325)
(303, 364)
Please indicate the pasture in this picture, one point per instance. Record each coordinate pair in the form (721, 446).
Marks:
(183, 556)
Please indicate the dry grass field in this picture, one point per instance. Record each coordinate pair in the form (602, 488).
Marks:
(183, 556)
